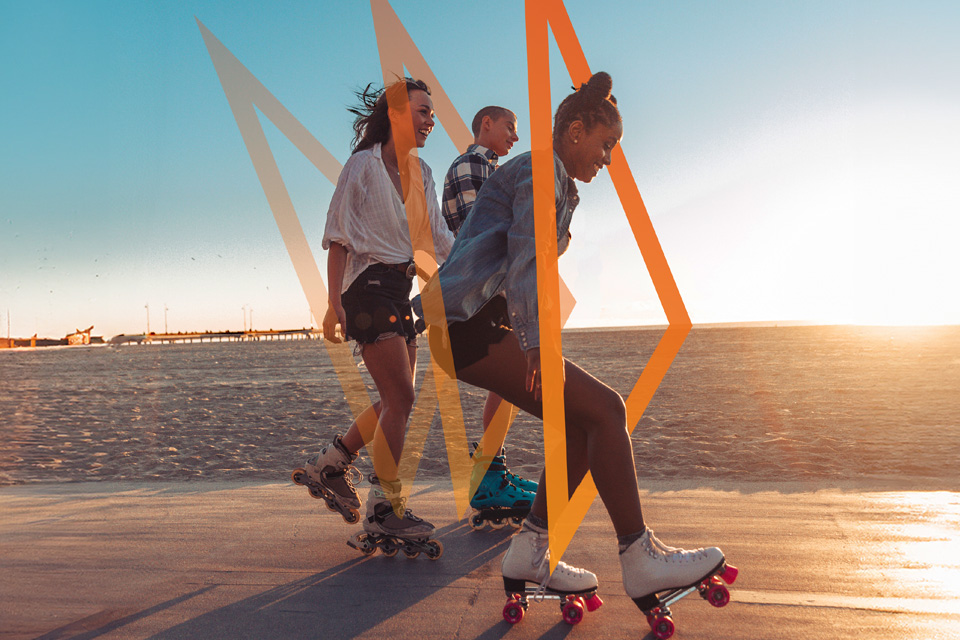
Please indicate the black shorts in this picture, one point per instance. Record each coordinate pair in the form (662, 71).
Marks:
(470, 339)
(377, 305)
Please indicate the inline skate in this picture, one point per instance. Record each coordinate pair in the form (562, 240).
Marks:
(390, 527)
(331, 476)
(496, 500)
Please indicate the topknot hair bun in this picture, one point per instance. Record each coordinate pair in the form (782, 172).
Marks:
(599, 86)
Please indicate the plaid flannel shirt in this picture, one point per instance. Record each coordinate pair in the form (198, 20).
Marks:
(463, 181)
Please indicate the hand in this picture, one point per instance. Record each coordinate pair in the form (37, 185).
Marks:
(534, 381)
(334, 315)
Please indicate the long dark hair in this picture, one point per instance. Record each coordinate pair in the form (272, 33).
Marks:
(372, 123)
(591, 103)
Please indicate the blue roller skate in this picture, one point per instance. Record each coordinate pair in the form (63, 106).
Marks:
(497, 500)
(498, 463)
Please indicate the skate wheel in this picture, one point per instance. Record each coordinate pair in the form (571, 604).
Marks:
(718, 596)
(497, 523)
(411, 553)
(330, 505)
(363, 545)
(662, 627)
(315, 492)
(389, 548)
(513, 610)
(572, 610)
(476, 522)
(516, 523)
(297, 476)
(352, 516)
(436, 550)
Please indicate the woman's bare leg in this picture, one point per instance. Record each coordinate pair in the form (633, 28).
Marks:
(596, 429)
(391, 364)
(363, 429)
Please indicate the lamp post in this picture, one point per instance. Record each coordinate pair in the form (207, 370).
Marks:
(147, 307)
(165, 309)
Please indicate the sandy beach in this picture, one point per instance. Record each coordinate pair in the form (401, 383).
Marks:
(825, 405)
(148, 496)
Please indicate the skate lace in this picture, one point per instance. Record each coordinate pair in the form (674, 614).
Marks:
(407, 513)
(660, 551)
(541, 560)
(352, 476)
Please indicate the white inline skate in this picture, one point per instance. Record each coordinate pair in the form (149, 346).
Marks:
(331, 476)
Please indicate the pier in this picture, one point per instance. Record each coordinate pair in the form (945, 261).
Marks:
(218, 336)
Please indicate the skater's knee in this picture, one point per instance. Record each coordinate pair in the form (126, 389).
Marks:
(611, 411)
(399, 400)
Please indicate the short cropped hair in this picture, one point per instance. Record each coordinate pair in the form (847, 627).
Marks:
(495, 113)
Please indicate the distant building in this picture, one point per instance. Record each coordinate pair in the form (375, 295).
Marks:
(79, 337)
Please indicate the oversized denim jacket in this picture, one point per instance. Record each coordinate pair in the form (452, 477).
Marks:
(495, 251)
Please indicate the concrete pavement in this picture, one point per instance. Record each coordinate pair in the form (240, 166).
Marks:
(253, 560)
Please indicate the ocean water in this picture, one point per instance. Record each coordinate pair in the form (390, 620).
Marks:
(811, 404)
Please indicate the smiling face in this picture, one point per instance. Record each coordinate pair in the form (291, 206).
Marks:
(498, 134)
(421, 109)
(586, 151)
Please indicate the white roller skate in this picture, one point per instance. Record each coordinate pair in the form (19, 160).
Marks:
(656, 575)
(383, 529)
(330, 475)
(528, 561)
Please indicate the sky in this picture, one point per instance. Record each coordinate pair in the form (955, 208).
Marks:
(799, 160)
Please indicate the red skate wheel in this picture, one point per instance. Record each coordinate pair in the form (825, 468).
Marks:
(572, 610)
(593, 603)
(513, 610)
(718, 596)
(662, 627)
(729, 574)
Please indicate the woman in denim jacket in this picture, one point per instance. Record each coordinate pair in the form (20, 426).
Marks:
(495, 345)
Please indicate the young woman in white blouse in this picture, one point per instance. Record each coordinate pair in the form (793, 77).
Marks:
(371, 241)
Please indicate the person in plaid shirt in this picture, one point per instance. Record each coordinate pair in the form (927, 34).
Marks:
(494, 132)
